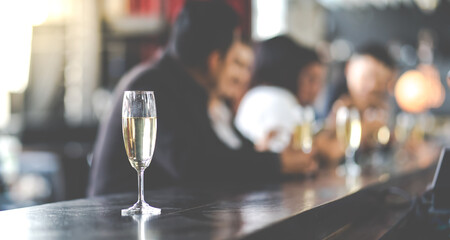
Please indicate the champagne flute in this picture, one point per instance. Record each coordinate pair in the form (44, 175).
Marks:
(139, 135)
(303, 134)
(348, 131)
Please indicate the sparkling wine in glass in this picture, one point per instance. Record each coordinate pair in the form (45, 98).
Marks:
(139, 136)
(348, 131)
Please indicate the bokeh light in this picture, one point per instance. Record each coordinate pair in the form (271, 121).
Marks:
(411, 92)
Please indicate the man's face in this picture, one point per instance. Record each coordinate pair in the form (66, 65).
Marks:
(310, 82)
(368, 80)
(234, 76)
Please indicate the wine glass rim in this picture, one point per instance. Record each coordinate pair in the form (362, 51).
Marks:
(139, 91)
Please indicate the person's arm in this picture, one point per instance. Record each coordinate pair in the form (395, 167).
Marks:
(207, 159)
(328, 148)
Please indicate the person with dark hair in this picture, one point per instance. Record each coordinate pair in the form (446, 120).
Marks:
(282, 62)
(370, 73)
(187, 148)
(286, 76)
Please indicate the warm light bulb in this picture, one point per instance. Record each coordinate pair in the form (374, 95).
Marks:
(411, 92)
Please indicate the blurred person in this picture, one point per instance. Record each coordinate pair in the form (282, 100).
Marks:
(236, 75)
(187, 148)
(370, 75)
(286, 76)
(232, 84)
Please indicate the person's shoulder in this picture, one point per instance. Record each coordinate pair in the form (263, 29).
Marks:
(261, 101)
(144, 76)
(136, 73)
(272, 94)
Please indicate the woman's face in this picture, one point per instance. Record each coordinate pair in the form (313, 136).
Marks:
(310, 82)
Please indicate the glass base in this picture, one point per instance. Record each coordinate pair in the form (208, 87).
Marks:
(141, 209)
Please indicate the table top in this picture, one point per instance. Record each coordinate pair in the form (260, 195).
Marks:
(312, 207)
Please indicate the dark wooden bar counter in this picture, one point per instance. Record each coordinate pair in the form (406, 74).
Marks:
(326, 206)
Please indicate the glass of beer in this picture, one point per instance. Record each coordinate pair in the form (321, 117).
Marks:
(348, 131)
(303, 134)
(139, 136)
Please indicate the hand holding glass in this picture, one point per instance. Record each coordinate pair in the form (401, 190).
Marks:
(139, 136)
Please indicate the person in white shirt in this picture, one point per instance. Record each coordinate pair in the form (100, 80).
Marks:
(286, 77)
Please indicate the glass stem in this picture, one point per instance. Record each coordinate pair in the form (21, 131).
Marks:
(141, 186)
(352, 168)
(350, 156)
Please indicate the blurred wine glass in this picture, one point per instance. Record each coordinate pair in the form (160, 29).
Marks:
(348, 131)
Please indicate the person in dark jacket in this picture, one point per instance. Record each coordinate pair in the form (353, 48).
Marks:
(187, 148)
